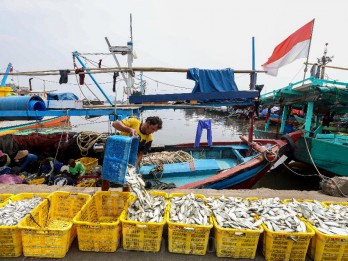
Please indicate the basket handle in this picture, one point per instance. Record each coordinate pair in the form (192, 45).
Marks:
(189, 228)
(141, 226)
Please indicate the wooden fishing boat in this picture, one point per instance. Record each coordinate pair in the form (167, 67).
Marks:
(8, 127)
(322, 146)
(225, 165)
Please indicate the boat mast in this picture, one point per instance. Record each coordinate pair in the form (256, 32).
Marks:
(252, 87)
(323, 61)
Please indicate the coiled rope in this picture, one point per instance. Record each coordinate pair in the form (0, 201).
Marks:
(166, 157)
(86, 140)
(159, 159)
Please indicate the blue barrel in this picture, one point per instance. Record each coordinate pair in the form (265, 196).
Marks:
(22, 103)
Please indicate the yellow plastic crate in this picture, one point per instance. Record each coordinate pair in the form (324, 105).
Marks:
(4, 197)
(142, 236)
(286, 246)
(10, 236)
(236, 243)
(49, 231)
(98, 224)
(88, 163)
(187, 238)
(324, 247)
(37, 181)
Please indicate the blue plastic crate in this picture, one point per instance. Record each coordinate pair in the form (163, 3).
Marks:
(119, 152)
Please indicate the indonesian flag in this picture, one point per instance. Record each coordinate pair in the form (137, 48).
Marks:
(294, 47)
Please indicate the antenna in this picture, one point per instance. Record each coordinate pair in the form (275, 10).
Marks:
(131, 28)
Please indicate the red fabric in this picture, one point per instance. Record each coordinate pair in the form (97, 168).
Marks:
(302, 34)
(81, 76)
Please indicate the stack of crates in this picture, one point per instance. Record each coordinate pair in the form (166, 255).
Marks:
(187, 238)
(142, 236)
(98, 223)
(10, 236)
(326, 247)
(49, 230)
(119, 152)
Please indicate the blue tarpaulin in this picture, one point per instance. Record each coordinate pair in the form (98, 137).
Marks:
(61, 96)
(212, 80)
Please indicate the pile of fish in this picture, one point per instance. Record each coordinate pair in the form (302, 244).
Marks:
(331, 220)
(14, 211)
(189, 210)
(278, 217)
(147, 207)
(231, 212)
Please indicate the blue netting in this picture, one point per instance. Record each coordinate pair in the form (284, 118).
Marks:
(119, 152)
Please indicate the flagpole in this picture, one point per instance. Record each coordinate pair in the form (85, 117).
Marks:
(309, 48)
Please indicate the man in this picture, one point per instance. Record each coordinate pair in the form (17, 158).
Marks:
(134, 127)
(76, 169)
(26, 161)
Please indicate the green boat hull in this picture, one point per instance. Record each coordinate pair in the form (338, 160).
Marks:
(325, 154)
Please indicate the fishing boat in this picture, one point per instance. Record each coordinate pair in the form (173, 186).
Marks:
(224, 165)
(9, 127)
(324, 146)
(325, 139)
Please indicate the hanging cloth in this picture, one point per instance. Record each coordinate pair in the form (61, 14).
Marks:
(203, 124)
(81, 76)
(116, 74)
(63, 76)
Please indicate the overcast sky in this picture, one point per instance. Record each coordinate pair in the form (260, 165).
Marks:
(42, 34)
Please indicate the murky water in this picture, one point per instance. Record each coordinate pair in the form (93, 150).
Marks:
(179, 126)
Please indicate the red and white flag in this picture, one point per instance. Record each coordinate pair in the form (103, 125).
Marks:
(294, 47)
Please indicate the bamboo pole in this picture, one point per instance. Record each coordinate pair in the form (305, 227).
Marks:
(332, 67)
(114, 69)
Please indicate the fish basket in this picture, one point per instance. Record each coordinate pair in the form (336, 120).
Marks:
(236, 243)
(325, 247)
(49, 230)
(142, 236)
(88, 163)
(4, 197)
(188, 238)
(10, 236)
(286, 245)
(98, 223)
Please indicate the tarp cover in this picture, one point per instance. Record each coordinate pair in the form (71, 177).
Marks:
(61, 96)
(212, 80)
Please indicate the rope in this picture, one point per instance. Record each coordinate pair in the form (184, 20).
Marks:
(274, 153)
(86, 140)
(159, 159)
(166, 157)
(321, 175)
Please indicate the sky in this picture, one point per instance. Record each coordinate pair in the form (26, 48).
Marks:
(42, 34)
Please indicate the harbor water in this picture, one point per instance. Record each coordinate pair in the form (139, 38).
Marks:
(179, 126)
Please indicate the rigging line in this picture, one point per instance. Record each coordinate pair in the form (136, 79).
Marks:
(94, 54)
(187, 88)
(78, 84)
(92, 92)
(301, 68)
